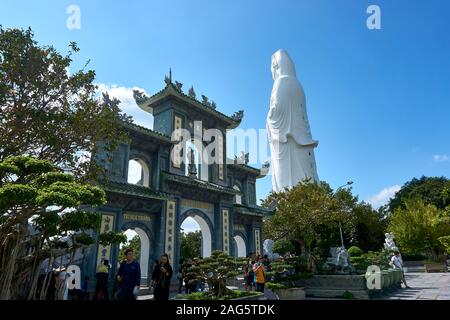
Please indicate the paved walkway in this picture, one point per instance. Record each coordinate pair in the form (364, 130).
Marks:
(424, 286)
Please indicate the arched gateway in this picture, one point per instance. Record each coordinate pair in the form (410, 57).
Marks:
(166, 193)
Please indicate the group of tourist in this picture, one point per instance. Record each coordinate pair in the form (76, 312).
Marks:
(128, 279)
(255, 272)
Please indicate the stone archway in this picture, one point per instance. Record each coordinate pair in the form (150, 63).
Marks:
(144, 236)
(241, 248)
(206, 229)
(138, 172)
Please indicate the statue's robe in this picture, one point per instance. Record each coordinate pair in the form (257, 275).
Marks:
(291, 143)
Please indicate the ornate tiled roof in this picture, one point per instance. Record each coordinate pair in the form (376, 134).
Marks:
(150, 132)
(198, 183)
(134, 190)
(145, 103)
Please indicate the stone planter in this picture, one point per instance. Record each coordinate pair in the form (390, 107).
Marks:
(335, 286)
(290, 294)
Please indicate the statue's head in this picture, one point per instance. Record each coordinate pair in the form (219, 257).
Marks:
(282, 65)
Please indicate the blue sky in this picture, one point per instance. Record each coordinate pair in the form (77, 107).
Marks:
(378, 100)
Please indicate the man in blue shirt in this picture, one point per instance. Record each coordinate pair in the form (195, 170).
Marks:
(128, 277)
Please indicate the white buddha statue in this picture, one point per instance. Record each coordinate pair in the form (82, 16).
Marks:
(290, 139)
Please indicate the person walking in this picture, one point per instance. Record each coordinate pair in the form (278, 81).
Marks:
(181, 275)
(397, 263)
(102, 277)
(162, 275)
(260, 274)
(128, 277)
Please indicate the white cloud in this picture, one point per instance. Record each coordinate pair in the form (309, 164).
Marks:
(441, 158)
(383, 197)
(127, 103)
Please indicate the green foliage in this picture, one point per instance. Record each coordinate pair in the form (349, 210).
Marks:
(31, 192)
(299, 263)
(283, 247)
(304, 214)
(417, 228)
(110, 237)
(445, 242)
(48, 113)
(309, 216)
(379, 258)
(133, 244)
(275, 286)
(359, 263)
(348, 295)
(354, 251)
(367, 227)
(430, 190)
(190, 245)
(215, 270)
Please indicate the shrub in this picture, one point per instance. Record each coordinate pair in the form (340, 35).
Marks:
(348, 295)
(299, 263)
(378, 258)
(359, 263)
(275, 286)
(355, 251)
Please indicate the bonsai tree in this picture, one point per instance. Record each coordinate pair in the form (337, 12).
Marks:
(279, 276)
(216, 270)
(41, 218)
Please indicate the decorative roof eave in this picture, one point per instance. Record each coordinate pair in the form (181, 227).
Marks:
(198, 183)
(146, 103)
(247, 168)
(134, 190)
(154, 134)
(253, 210)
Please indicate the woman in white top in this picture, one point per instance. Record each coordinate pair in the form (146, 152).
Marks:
(397, 263)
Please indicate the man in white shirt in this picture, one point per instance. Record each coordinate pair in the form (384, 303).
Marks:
(397, 263)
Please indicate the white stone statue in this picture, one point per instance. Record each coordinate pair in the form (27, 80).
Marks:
(389, 243)
(267, 249)
(291, 142)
